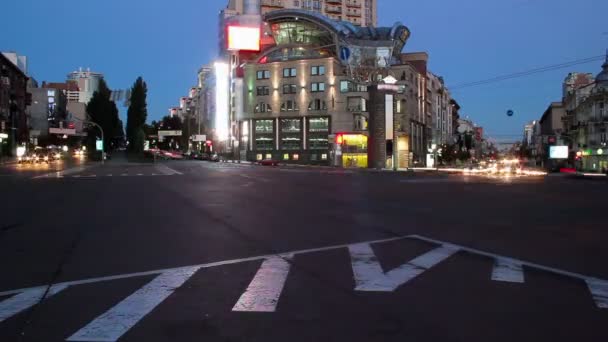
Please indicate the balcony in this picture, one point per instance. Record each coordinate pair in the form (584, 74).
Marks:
(333, 9)
(356, 15)
(351, 3)
(273, 3)
(338, 2)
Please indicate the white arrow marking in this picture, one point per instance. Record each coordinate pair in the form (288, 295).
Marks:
(369, 275)
(507, 271)
(262, 294)
(114, 323)
(26, 299)
(599, 291)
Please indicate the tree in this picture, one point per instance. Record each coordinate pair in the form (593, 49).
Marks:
(102, 111)
(137, 115)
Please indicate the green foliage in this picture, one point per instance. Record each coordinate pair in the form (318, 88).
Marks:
(137, 115)
(103, 111)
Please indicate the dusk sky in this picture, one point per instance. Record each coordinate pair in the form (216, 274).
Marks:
(467, 40)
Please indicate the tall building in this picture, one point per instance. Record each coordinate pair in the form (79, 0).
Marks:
(88, 83)
(358, 12)
(14, 99)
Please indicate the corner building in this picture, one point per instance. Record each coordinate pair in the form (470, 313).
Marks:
(301, 103)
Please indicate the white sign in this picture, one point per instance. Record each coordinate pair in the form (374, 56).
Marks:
(3, 136)
(62, 131)
(99, 145)
(199, 138)
(558, 152)
(430, 160)
(388, 111)
(169, 134)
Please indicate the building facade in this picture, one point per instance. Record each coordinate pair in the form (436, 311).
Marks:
(357, 12)
(586, 122)
(88, 83)
(14, 99)
(48, 109)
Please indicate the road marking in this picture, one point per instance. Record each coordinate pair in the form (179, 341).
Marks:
(369, 275)
(599, 291)
(207, 265)
(109, 175)
(262, 294)
(507, 271)
(164, 169)
(154, 174)
(598, 287)
(26, 299)
(255, 178)
(114, 323)
(77, 176)
(124, 174)
(62, 173)
(140, 174)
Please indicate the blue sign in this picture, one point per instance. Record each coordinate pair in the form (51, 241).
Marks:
(344, 53)
(510, 112)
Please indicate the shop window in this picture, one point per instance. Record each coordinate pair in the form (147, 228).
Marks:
(318, 125)
(291, 125)
(259, 157)
(264, 126)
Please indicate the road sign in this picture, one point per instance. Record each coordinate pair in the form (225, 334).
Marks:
(344, 53)
(169, 134)
(99, 145)
(3, 136)
(510, 112)
(199, 138)
(62, 131)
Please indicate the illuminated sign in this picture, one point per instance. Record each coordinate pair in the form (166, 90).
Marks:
(243, 38)
(558, 152)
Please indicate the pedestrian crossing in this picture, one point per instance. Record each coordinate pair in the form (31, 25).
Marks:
(157, 170)
(263, 293)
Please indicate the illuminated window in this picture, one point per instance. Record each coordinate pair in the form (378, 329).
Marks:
(268, 156)
(259, 157)
(317, 87)
(264, 126)
(263, 107)
(290, 72)
(263, 75)
(324, 156)
(317, 70)
(318, 125)
(291, 125)
(286, 156)
(296, 157)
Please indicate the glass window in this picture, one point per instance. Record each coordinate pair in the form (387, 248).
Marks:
(317, 105)
(262, 91)
(264, 126)
(291, 125)
(344, 86)
(317, 70)
(263, 74)
(264, 143)
(289, 89)
(291, 142)
(290, 72)
(318, 142)
(289, 105)
(317, 87)
(318, 125)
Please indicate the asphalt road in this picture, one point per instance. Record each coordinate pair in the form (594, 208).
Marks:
(198, 251)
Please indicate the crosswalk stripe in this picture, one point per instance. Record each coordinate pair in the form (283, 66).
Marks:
(114, 323)
(369, 275)
(507, 271)
(26, 299)
(262, 294)
(599, 291)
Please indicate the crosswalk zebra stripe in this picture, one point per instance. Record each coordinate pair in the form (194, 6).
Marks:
(262, 294)
(114, 323)
(599, 291)
(369, 275)
(26, 299)
(507, 271)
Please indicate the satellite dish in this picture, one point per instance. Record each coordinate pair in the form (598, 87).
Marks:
(510, 112)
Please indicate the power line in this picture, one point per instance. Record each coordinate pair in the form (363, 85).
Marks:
(529, 72)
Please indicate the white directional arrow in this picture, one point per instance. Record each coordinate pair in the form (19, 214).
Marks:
(369, 275)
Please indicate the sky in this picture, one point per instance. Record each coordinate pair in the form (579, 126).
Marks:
(166, 42)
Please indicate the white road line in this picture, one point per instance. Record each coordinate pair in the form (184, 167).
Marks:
(507, 271)
(599, 291)
(207, 265)
(600, 295)
(262, 294)
(140, 174)
(255, 178)
(66, 172)
(109, 175)
(77, 176)
(164, 169)
(26, 299)
(369, 275)
(114, 323)
(124, 174)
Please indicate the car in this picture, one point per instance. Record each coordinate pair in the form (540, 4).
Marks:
(269, 162)
(214, 157)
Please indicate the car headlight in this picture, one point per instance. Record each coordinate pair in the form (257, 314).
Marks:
(46, 157)
(57, 156)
